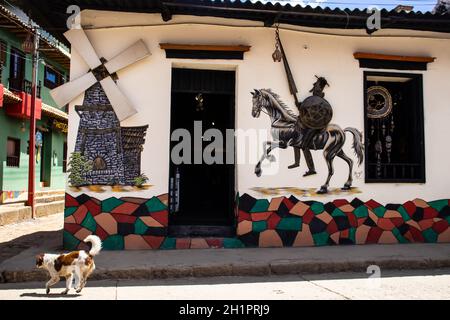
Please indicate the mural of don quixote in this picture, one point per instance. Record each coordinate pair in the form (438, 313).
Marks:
(310, 130)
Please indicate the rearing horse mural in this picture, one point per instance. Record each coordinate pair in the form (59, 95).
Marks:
(287, 131)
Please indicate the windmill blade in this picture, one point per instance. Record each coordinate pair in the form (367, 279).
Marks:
(119, 102)
(79, 40)
(70, 90)
(136, 52)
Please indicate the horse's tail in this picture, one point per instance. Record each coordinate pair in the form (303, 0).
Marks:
(358, 145)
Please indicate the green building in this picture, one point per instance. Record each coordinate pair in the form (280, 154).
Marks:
(15, 106)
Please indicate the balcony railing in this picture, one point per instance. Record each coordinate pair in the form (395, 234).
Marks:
(23, 85)
(12, 161)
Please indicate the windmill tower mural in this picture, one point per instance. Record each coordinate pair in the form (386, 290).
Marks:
(114, 151)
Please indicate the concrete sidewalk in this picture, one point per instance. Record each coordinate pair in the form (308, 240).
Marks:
(237, 262)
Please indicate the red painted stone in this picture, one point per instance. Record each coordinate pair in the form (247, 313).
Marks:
(288, 203)
(244, 216)
(215, 243)
(373, 235)
(430, 213)
(425, 224)
(385, 224)
(101, 233)
(352, 219)
(397, 221)
(408, 235)
(273, 221)
(126, 208)
(308, 216)
(80, 214)
(93, 207)
(332, 227)
(123, 218)
(361, 221)
(261, 216)
(72, 228)
(410, 207)
(372, 204)
(161, 216)
(440, 226)
(340, 202)
(416, 234)
(71, 201)
(153, 241)
(183, 243)
(345, 234)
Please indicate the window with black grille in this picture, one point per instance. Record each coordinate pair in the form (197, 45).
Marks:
(52, 77)
(394, 127)
(13, 152)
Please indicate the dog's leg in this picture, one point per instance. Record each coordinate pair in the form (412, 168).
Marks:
(69, 280)
(86, 275)
(54, 280)
(80, 278)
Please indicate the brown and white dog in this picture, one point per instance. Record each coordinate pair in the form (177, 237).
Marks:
(77, 263)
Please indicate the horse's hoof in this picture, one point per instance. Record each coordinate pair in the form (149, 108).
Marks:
(47, 291)
(272, 158)
(258, 172)
(322, 190)
(309, 173)
(293, 166)
(65, 292)
(346, 188)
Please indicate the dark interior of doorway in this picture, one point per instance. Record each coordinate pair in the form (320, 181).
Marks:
(206, 197)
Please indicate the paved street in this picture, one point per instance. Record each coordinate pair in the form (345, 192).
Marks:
(419, 284)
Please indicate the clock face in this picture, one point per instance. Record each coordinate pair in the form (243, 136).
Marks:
(379, 102)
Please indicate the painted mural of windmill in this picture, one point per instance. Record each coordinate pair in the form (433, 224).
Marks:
(114, 151)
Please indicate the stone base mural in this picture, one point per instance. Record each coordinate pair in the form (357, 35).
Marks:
(140, 224)
(286, 222)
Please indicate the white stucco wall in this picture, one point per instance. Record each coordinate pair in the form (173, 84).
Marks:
(148, 85)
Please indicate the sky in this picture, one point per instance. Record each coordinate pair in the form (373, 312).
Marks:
(419, 5)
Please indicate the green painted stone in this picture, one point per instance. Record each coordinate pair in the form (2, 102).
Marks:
(438, 204)
(361, 212)
(448, 219)
(321, 239)
(168, 244)
(352, 234)
(294, 224)
(398, 235)
(230, 243)
(430, 235)
(379, 211)
(261, 205)
(317, 207)
(155, 205)
(338, 212)
(89, 222)
(259, 226)
(69, 211)
(140, 227)
(69, 241)
(404, 213)
(115, 242)
(108, 205)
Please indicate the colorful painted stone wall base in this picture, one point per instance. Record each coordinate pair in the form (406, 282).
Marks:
(286, 222)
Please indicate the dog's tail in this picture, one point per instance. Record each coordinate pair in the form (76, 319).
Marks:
(96, 244)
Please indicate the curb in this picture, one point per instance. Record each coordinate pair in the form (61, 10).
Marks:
(283, 267)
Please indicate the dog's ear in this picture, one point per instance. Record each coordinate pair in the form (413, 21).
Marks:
(40, 259)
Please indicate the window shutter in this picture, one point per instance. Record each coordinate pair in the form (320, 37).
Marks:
(3, 48)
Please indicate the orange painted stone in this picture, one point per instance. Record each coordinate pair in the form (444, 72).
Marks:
(425, 224)
(80, 214)
(385, 224)
(126, 208)
(154, 241)
(260, 216)
(413, 224)
(373, 216)
(135, 242)
(299, 209)
(69, 219)
(361, 234)
(335, 237)
(244, 227)
(164, 199)
(387, 238)
(150, 222)
(345, 233)
(275, 203)
(82, 234)
(444, 236)
(347, 208)
(183, 243)
(325, 217)
(420, 203)
(304, 238)
(197, 243)
(107, 222)
(409, 236)
(270, 239)
(392, 214)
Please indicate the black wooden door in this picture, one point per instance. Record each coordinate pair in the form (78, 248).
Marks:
(202, 195)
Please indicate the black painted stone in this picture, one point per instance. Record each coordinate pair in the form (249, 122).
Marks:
(294, 200)
(346, 241)
(445, 212)
(403, 228)
(418, 214)
(141, 211)
(283, 211)
(393, 207)
(356, 203)
(287, 236)
(342, 223)
(125, 229)
(250, 239)
(317, 226)
(369, 222)
(156, 231)
(246, 202)
(329, 207)
(83, 198)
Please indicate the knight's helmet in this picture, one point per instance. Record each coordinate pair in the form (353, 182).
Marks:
(99, 138)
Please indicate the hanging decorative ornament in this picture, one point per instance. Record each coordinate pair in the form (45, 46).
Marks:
(277, 56)
(199, 100)
(388, 145)
(379, 151)
(392, 124)
(379, 102)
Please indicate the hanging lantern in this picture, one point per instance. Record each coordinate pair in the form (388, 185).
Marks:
(28, 44)
(277, 56)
